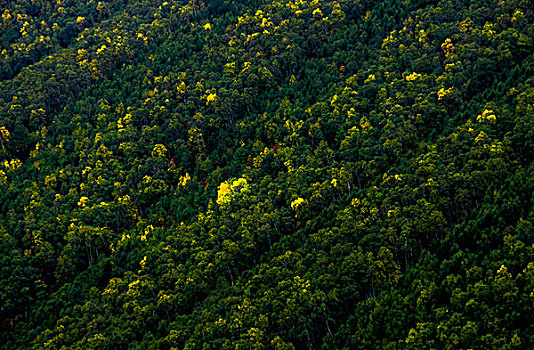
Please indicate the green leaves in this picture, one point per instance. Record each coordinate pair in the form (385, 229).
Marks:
(253, 174)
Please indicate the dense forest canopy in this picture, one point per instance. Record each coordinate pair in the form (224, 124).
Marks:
(255, 174)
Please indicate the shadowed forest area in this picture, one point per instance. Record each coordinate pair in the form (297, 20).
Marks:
(252, 174)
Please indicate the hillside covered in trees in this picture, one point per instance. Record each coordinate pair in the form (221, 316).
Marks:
(251, 174)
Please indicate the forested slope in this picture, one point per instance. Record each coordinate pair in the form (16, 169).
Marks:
(267, 174)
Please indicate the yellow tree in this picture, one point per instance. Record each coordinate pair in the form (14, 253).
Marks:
(4, 136)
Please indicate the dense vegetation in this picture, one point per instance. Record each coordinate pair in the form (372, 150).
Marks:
(267, 174)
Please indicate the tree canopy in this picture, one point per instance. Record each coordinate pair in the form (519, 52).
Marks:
(347, 174)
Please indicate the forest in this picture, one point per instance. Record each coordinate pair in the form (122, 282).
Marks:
(252, 174)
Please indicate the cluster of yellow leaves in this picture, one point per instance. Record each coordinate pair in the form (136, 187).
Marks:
(228, 188)
(35, 151)
(101, 6)
(292, 80)
(3, 178)
(293, 127)
(442, 93)
(422, 35)
(447, 47)
(487, 115)
(142, 263)
(181, 88)
(251, 36)
(413, 76)
(392, 213)
(390, 39)
(159, 151)
(123, 122)
(144, 38)
(224, 193)
(365, 123)
(23, 30)
(370, 78)
(517, 14)
(13, 164)
(124, 199)
(212, 97)
(318, 12)
(101, 49)
(488, 30)
(86, 170)
(496, 147)
(195, 134)
(464, 26)
(289, 164)
(147, 179)
(246, 66)
(297, 203)
(4, 133)
(481, 137)
(147, 230)
(6, 16)
(83, 201)
(265, 23)
(259, 159)
(184, 180)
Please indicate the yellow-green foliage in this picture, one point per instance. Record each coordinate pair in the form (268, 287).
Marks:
(378, 158)
(230, 188)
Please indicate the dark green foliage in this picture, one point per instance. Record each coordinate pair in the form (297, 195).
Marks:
(267, 174)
